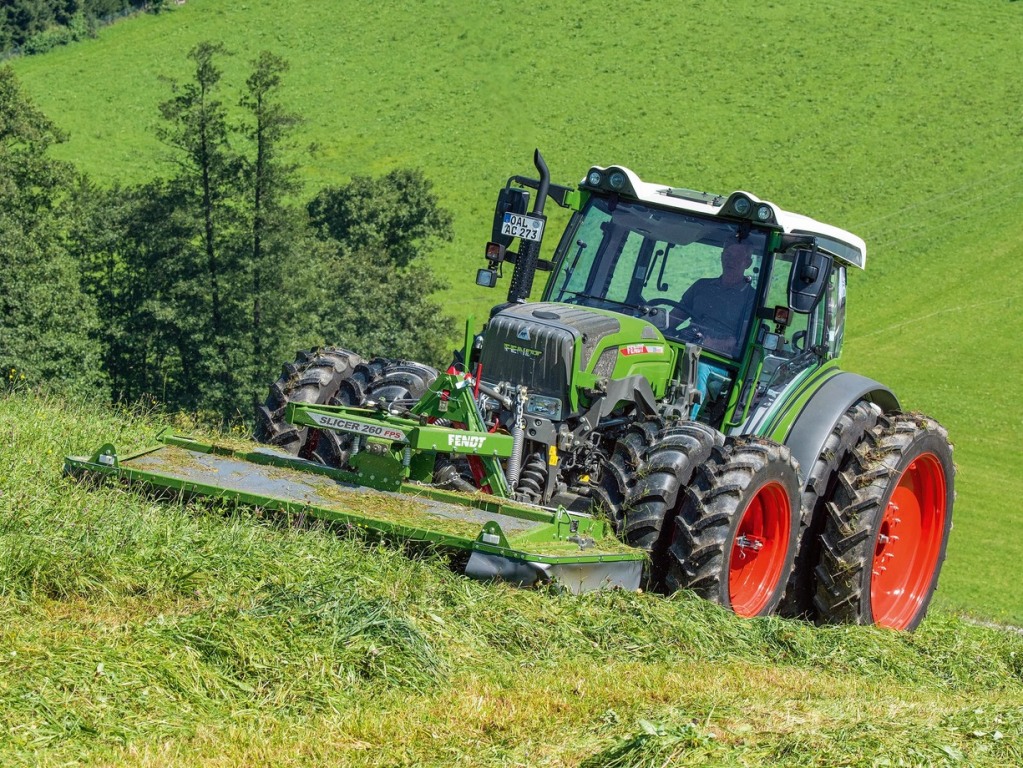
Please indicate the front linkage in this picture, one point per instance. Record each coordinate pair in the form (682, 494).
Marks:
(386, 449)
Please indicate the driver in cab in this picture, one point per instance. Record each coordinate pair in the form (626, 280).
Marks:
(717, 307)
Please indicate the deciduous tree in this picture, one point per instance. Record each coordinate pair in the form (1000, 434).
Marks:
(379, 290)
(48, 324)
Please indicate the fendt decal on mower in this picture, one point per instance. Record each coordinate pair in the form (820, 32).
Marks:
(465, 441)
(670, 414)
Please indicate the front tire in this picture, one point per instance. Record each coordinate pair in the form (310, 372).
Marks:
(887, 529)
(735, 535)
(315, 378)
(645, 481)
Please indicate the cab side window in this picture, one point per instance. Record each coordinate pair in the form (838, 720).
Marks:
(834, 303)
(802, 330)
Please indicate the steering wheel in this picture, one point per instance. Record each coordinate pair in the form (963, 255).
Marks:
(667, 322)
(668, 302)
(692, 332)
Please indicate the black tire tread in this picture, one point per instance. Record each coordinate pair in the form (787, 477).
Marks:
(672, 458)
(314, 377)
(698, 558)
(865, 483)
(371, 382)
(798, 600)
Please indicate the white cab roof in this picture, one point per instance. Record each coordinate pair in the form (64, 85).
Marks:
(846, 246)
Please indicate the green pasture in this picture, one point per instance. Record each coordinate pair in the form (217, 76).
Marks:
(139, 631)
(902, 122)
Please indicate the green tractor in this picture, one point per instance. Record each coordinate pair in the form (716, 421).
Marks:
(679, 376)
(671, 413)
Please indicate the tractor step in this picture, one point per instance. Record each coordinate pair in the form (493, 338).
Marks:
(507, 541)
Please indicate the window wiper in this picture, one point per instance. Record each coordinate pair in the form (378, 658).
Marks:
(643, 309)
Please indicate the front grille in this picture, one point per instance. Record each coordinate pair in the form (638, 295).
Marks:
(534, 345)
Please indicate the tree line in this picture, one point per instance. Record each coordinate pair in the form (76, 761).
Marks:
(36, 26)
(191, 289)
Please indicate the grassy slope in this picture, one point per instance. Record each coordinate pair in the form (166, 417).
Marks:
(898, 121)
(140, 632)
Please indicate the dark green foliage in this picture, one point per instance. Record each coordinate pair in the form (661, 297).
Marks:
(273, 227)
(47, 323)
(37, 26)
(182, 267)
(375, 308)
(208, 280)
(206, 300)
(378, 288)
(153, 300)
(397, 213)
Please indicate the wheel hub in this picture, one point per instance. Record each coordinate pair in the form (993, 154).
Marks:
(908, 543)
(759, 548)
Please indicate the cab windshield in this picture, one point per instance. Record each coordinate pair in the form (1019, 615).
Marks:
(692, 277)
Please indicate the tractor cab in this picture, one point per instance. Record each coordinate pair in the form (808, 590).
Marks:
(749, 296)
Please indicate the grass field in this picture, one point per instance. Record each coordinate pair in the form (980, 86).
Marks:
(135, 631)
(901, 122)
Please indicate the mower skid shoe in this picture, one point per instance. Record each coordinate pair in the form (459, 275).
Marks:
(573, 577)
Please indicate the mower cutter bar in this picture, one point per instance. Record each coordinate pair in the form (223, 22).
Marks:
(506, 541)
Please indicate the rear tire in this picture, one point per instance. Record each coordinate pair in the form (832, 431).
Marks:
(797, 601)
(887, 528)
(735, 535)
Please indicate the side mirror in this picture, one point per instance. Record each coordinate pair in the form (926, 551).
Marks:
(509, 200)
(810, 271)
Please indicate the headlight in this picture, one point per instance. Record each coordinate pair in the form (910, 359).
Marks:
(548, 407)
(594, 178)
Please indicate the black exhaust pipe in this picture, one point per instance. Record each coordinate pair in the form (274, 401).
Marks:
(529, 250)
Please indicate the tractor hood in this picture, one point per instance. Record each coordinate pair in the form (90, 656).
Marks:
(549, 346)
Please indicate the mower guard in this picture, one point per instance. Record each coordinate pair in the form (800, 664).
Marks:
(505, 541)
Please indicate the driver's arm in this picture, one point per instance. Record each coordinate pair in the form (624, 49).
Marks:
(685, 306)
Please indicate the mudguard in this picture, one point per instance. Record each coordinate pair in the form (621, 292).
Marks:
(811, 427)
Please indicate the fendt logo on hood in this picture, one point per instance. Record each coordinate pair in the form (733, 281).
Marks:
(523, 334)
(524, 351)
(642, 349)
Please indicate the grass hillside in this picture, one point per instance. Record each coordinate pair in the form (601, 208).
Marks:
(135, 631)
(899, 121)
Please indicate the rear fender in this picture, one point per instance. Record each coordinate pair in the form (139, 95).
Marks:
(813, 424)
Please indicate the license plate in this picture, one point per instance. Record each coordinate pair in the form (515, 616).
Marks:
(525, 227)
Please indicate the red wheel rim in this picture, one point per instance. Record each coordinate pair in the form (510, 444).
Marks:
(759, 549)
(908, 544)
